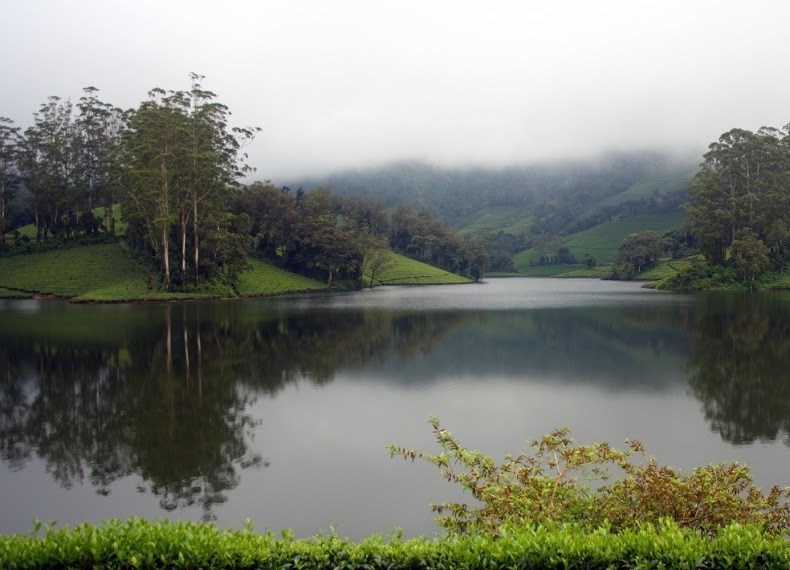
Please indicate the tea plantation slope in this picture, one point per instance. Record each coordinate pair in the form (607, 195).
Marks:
(75, 272)
(602, 241)
(104, 273)
(408, 271)
(262, 278)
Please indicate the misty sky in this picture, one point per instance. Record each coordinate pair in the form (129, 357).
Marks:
(339, 84)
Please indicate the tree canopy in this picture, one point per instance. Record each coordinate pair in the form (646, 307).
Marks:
(741, 208)
(174, 164)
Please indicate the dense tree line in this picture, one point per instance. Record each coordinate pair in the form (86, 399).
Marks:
(174, 165)
(64, 162)
(343, 237)
(741, 210)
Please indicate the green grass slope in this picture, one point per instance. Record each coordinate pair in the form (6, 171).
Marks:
(510, 220)
(407, 271)
(262, 278)
(75, 272)
(661, 182)
(603, 240)
(103, 273)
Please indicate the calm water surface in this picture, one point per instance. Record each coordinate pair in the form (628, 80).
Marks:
(279, 409)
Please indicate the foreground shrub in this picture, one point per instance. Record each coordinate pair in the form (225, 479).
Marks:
(543, 487)
(140, 544)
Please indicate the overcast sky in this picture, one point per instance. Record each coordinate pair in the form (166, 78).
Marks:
(339, 84)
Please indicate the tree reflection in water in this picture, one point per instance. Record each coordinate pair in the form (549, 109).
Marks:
(740, 368)
(164, 393)
(167, 400)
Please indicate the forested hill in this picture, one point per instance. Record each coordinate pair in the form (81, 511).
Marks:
(563, 196)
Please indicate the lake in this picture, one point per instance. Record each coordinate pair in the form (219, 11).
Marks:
(279, 409)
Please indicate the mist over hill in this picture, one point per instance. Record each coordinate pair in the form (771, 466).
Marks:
(561, 196)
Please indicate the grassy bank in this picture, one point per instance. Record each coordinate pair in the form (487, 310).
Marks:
(262, 278)
(140, 544)
(407, 271)
(105, 273)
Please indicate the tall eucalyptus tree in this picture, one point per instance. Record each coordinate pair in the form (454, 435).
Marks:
(181, 162)
(9, 141)
(48, 163)
(99, 127)
(742, 185)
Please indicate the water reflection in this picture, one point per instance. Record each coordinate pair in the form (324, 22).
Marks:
(740, 368)
(165, 393)
(166, 397)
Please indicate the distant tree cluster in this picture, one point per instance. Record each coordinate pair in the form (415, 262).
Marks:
(345, 237)
(172, 164)
(741, 210)
(639, 252)
(65, 161)
(425, 237)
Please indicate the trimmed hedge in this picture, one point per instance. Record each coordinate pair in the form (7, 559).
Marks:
(140, 544)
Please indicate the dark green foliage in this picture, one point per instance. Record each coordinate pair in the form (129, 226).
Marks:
(638, 252)
(421, 235)
(67, 161)
(742, 202)
(181, 161)
(542, 487)
(700, 275)
(750, 257)
(9, 179)
(339, 239)
(140, 544)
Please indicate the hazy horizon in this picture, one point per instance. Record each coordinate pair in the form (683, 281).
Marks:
(355, 84)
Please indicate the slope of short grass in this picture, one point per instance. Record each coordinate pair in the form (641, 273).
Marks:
(262, 278)
(662, 183)
(665, 268)
(603, 240)
(509, 220)
(407, 271)
(599, 272)
(73, 272)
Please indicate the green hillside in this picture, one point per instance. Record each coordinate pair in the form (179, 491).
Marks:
(407, 271)
(74, 272)
(660, 183)
(104, 273)
(512, 220)
(603, 240)
(262, 278)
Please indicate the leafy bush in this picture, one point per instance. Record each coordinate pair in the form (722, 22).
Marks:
(699, 275)
(543, 487)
